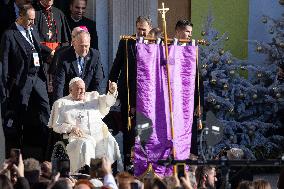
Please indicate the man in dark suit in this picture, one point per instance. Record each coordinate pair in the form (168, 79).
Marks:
(78, 61)
(77, 18)
(23, 78)
(10, 12)
(118, 74)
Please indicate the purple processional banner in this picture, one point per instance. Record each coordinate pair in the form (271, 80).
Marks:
(153, 103)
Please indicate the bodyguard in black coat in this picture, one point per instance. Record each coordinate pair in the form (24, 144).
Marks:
(22, 73)
(69, 66)
(9, 11)
(118, 74)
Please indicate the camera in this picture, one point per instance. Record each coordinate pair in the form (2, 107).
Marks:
(134, 185)
(96, 168)
(181, 170)
(62, 167)
(14, 156)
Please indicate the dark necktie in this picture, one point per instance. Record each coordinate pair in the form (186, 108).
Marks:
(29, 36)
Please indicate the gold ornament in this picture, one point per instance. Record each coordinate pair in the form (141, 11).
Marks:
(259, 48)
(232, 72)
(254, 96)
(204, 66)
(221, 52)
(203, 33)
(225, 86)
(275, 89)
(212, 100)
(281, 44)
(213, 81)
(273, 55)
(241, 95)
(243, 67)
(229, 61)
(217, 107)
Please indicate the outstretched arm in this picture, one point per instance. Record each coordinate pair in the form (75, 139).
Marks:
(108, 100)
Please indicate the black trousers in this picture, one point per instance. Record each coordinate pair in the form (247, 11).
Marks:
(128, 135)
(30, 106)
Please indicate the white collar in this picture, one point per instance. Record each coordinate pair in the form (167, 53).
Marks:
(75, 19)
(21, 28)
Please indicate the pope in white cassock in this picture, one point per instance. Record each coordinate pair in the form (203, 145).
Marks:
(80, 116)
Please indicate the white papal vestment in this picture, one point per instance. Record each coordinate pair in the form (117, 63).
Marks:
(97, 141)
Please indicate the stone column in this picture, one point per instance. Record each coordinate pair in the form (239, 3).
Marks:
(115, 18)
(122, 17)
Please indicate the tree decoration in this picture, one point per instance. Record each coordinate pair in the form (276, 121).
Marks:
(221, 52)
(259, 48)
(213, 81)
(247, 107)
(229, 61)
(264, 20)
(225, 86)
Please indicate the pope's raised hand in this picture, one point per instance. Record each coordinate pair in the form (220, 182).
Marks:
(112, 87)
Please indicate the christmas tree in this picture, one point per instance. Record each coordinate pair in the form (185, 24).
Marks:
(247, 99)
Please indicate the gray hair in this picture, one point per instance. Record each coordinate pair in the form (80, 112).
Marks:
(76, 31)
(144, 19)
(80, 32)
(74, 80)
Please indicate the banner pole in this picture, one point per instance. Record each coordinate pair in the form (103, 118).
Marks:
(163, 11)
(127, 83)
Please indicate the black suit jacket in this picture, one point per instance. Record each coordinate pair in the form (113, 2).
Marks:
(118, 71)
(67, 69)
(14, 59)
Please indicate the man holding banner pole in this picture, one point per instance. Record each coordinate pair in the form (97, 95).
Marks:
(124, 73)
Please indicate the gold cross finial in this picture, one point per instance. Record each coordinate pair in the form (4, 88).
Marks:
(163, 11)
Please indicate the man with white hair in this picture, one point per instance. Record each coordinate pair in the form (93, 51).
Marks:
(80, 116)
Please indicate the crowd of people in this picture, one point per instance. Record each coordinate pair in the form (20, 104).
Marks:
(51, 76)
(30, 173)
